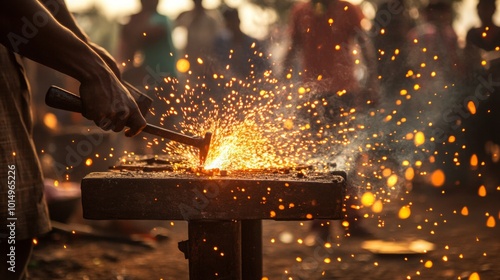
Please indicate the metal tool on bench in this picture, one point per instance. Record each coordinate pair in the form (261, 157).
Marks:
(62, 99)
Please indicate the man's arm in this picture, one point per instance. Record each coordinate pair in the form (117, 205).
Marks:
(28, 28)
(60, 12)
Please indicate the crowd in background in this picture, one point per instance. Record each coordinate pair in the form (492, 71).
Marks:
(402, 56)
(405, 63)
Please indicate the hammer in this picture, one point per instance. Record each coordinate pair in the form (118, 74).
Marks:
(62, 99)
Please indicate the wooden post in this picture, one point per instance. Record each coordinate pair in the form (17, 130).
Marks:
(251, 249)
(214, 250)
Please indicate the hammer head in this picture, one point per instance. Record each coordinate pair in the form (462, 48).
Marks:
(204, 147)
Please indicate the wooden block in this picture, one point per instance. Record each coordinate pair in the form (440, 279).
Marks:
(174, 196)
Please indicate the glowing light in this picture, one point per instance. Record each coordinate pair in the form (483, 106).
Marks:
(428, 264)
(471, 107)
(438, 178)
(288, 124)
(378, 206)
(473, 161)
(199, 60)
(386, 172)
(404, 212)
(409, 173)
(272, 214)
(367, 199)
(474, 276)
(88, 162)
(419, 138)
(50, 121)
(183, 65)
(481, 191)
(464, 211)
(490, 222)
(392, 180)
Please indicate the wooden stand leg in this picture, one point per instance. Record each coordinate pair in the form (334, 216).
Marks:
(214, 250)
(251, 249)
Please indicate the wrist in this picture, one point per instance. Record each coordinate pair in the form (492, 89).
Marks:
(92, 68)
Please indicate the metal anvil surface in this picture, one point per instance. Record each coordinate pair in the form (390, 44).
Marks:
(188, 196)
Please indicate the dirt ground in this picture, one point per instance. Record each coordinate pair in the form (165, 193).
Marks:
(465, 246)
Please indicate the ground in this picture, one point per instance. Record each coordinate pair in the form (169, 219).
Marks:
(455, 221)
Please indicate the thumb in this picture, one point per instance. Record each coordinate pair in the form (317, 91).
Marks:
(136, 124)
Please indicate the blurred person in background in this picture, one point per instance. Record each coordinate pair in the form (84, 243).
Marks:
(435, 74)
(201, 27)
(238, 55)
(483, 69)
(148, 58)
(48, 34)
(323, 34)
(389, 40)
(146, 47)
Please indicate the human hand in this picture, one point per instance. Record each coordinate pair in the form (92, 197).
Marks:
(142, 100)
(110, 105)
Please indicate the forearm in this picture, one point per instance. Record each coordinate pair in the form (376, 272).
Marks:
(29, 29)
(60, 12)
